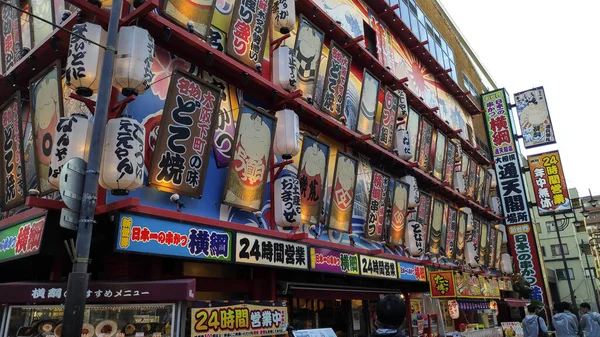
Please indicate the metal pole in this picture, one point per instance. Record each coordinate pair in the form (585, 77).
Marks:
(562, 255)
(77, 286)
(592, 277)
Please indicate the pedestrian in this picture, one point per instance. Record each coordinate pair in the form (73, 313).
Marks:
(564, 322)
(391, 313)
(589, 321)
(534, 325)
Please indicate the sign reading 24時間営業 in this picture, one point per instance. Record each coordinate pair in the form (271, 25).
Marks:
(258, 250)
(549, 184)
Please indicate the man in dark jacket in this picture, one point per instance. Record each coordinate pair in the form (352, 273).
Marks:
(391, 313)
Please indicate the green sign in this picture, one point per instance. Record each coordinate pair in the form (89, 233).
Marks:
(497, 118)
(22, 239)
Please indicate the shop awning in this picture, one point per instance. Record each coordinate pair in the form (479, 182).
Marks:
(515, 302)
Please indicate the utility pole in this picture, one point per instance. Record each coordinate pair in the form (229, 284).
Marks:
(592, 276)
(77, 286)
(564, 260)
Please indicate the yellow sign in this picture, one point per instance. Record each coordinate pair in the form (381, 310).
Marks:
(220, 319)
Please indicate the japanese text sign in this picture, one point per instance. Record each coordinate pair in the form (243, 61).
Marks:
(549, 185)
(342, 194)
(523, 250)
(10, 36)
(228, 319)
(387, 123)
(336, 81)
(331, 261)
(441, 284)
(21, 240)
(411, 272)
(376, 207)
(249, 31)
(149, 235)
(378, 267)
(534, 117)
(251, 249)
(12, 172)
(186, 131)
(312, 174)
(497, 117)
(511, 189)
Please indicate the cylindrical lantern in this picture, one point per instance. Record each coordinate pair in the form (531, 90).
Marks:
(82, 72)
(469, 213)
(496, 206)
(506, 264)
(71, 139)
(284, 68)
(494, 182)
(286, 203)
(413, 190)
(459, 180)
(502, 229)
(453, 309)
(284, 15)
(470, 254)
(287, 134)
(133, 63)
(122, 168)
(403, 148)
(459, 151)
(415, 243)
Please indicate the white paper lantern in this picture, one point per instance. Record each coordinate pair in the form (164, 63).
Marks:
(82, 72)
(506, 264)
(415, 242)
(284, 15)
(459, 180)
(122, 168)
(469, 213)
(287, 134)
(284, 68)
(71, 139)
(453, 309)
(494, 182)
(133, 63)
(286, 203)
(413, 191)
(496, 206)
(502, 229)
(459, 151)
(470, 254)
(403, 148)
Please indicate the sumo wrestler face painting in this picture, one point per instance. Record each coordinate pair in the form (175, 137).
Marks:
(307, 51)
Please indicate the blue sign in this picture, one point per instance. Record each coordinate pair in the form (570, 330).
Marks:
(142, 234)
(411, 272)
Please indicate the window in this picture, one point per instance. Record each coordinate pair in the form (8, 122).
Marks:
(543, 251)
(562, 276)
(470, 86)
(550, 226)
(556, 249)
(590, 272)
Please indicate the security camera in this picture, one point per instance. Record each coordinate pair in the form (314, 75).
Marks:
(258, 67)
(190, 26)
(309, 99)
(174, 198)
(34, 192)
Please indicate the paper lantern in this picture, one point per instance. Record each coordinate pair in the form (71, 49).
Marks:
(122, 168)
(413, 191)
(286, 203)
(494, 182)
(133, 63)
(71, 139)
(506, 264)
(494, 305)
(284, 68)
(502, 229)
(453, 309)
(459, 151)
(469, 213)
(459, 180)
(415, 243)
(403, 148)
(496, 206)
(82, 72)
(287, 134)
(284, 15)
(470, 254)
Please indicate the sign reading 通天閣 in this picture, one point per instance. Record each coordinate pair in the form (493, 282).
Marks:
(511, 189)
(522, 246)
(497, 117)
(258, 250)
(549, 184)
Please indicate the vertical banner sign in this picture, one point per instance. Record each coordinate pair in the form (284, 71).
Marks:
(312, 174)
(402, 104)
(441, 284)
(307, 50)
(342, 193)
(449, 163)
(484, 234)
(387, 124)
(376, 214)
(10, 36)
(534, 117)
(186, 131)
(549, 185)
(461, 236)
(45, 93)
(249, 31)
(498, 122)
(395, 233)
(200, 16)
(424, 214)
(425, 139)
(439, 156)
(336, 81)
(524, 252)
(498, 250)
(367, 107)
(511, 189)
(12, 173)
(451, 223)
(435, 230)
(492, 250)
(247, 176)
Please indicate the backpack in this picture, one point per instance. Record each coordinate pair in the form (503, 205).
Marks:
(540, 332)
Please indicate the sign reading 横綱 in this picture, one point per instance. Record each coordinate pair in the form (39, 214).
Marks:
(387, 124)
(336, 81)
(524, 253)
(257, 250)
(12, 172)
(497, 117)
(511, 189)
(411, 272)
(534, 117)
(332, 261)
(22, 239)
(148, 235)
(549, 185)
(225, 319)
(376, 207)
(185, 136)
(378, 267)
(249, 31)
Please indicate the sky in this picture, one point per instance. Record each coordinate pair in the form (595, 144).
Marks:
(529, 43)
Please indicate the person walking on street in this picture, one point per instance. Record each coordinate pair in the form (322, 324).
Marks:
(533, 325)
(590, 323)
(391, 312)
(564, 322)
